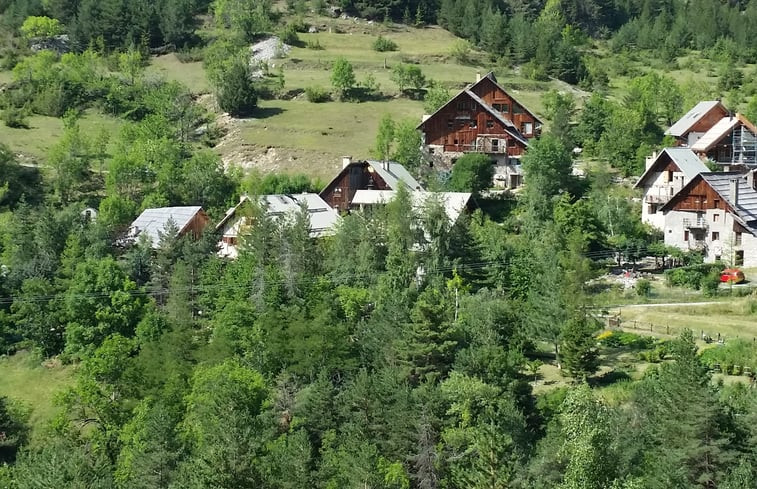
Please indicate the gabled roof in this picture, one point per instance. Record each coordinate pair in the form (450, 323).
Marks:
(322, 216)
(745, 211)
(152, 222)
(490, 76)
(685, 159)
(454, 202)
(716, 133)
(394, 174)
(720, 130)
(509, 126)
(682, 126)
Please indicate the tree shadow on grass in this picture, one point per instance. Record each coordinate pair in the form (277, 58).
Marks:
(266, 112)
(608, 378)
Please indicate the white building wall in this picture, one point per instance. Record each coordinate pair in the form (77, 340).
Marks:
(719, 240)
(659, 192)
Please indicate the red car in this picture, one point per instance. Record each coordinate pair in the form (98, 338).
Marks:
(732, 275)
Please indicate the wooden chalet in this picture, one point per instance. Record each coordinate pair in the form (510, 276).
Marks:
(153, 223)
(365, 175)
(715, 213)
(481, 118)
(731, 142)
(697, 121)
(667, 173)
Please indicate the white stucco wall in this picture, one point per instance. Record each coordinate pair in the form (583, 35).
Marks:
(724, 247)
(657, 192)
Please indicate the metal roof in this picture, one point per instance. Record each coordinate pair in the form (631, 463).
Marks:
(454, 202)
(152, 222)
(685, 159)
(691, 117)
(393, 174)
(322, 217)
(715, 134)
(746, 208)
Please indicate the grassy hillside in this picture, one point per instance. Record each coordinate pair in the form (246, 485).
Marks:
(45, 131)
(24, 379)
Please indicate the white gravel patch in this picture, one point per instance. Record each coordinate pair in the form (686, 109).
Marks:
(264, 51)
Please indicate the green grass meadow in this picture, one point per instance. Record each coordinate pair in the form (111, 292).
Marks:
(24, 379)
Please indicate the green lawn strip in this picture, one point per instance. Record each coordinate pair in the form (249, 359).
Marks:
(191, 74)
(45, 131)
(731, 318)
(333, 127)
(23, 378)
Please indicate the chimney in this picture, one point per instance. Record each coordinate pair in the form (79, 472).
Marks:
(346, 161)
(478, 77)
(385, 164)
(733, 191)
(649, 160)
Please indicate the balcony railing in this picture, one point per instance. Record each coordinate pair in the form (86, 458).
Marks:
(658, 199)
(695, 223)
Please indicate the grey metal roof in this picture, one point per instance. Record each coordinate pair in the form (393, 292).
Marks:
(715, 134)
(394, 173)
(746, 208)
(322, 217)
(685, 159)
(454, 202)
(691, 117)
(153, 221)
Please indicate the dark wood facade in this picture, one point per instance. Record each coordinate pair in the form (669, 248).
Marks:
(356, 176)
(698, 196)
(196, 225)
(478, 122)
(704, 123)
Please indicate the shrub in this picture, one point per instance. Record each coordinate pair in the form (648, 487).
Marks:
(691, 276)
(289, 35)
(643, 287)
(734, 352)
(382, 44)
(710, 283)
(190, 55)
(314, 44)
(317, 95)
(16, 118)
(235, 92)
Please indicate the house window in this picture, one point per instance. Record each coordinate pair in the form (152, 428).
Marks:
(715, 217)
(497, 107)
(472, 123)
(737, 239)
(495, 145)
(670, 175)
(517, 109)
(512, 143)
(450, 123)
(738, 258)
(462, 105)
(527, 128)
(490, 123)
(456, 142)
(686, 235)
(652, 209)
(716, 203)
(715, 235)
(505, 108)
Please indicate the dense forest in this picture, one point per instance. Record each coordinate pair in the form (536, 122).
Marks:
(401, 352)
